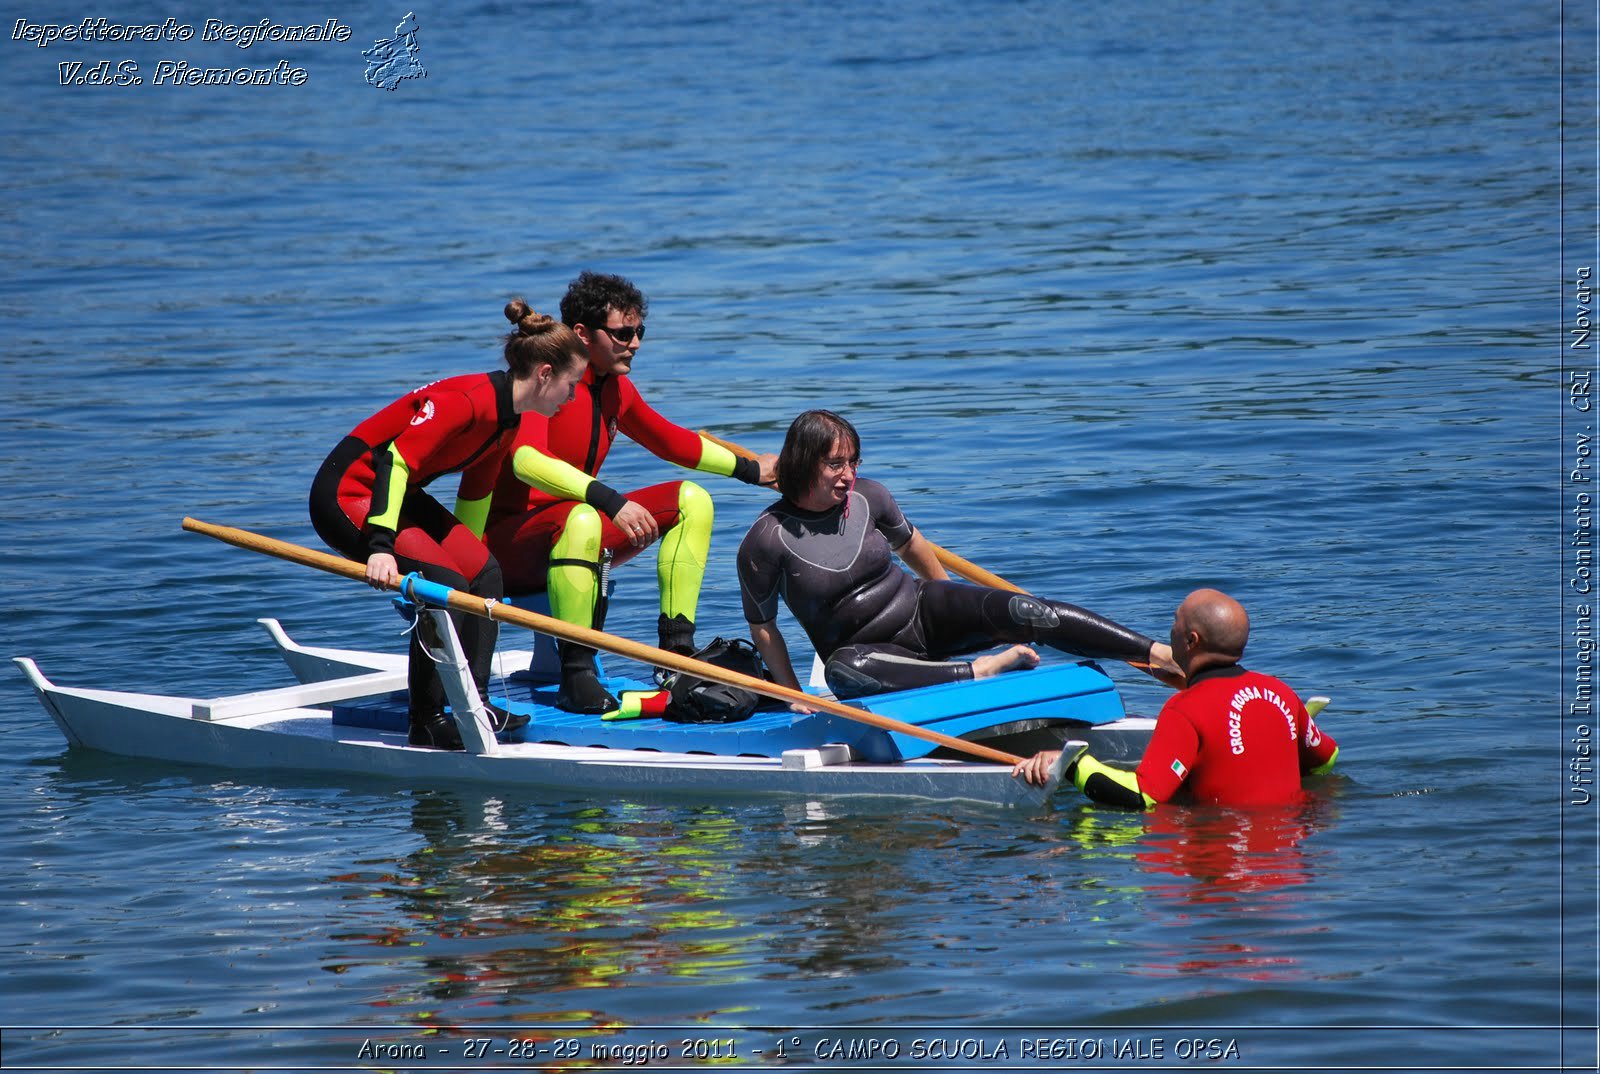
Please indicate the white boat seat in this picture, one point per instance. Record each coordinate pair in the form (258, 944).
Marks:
(302, 695)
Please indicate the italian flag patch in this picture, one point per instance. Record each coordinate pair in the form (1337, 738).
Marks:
(1178, 769)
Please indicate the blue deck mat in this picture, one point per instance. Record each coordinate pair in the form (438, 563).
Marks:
(1076, 692)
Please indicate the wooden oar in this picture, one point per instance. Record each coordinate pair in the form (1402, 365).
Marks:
(953, 563)
(595, 639)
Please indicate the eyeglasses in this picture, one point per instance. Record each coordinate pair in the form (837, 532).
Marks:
(837, 466)
(623, 333)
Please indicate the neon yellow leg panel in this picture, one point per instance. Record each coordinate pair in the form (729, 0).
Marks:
(574, 579)
(681, 560)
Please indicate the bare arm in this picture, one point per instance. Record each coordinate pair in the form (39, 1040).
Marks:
(775, 652)
(918, 554)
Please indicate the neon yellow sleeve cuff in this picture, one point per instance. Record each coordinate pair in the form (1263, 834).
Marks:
(716, 459)
(1114, 786)
(1326, 767)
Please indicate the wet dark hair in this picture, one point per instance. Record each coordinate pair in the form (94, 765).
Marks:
(539, 339)
(810, 438)
(591, 297)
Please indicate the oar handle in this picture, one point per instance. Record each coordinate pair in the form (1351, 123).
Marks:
(595, 639)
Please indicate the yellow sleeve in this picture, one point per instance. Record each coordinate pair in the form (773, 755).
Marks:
(549, 474)
(390, 491)
(716, 459)
(1111, 786)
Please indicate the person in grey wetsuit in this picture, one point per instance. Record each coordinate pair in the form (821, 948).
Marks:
(825, 548)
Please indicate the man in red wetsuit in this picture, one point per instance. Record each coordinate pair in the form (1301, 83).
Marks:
(553, 519)
(1230, 737)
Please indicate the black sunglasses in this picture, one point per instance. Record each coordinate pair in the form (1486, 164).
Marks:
(623, 333)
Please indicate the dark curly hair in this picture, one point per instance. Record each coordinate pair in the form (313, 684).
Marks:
(591, 297)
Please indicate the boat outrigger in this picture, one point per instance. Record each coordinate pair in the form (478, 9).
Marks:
(347, 715)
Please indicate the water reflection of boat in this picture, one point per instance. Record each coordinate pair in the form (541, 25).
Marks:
(502, 899)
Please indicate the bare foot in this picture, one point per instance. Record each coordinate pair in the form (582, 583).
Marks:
(992, 664)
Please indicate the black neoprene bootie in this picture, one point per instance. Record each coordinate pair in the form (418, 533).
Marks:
(676, 634)
(436, 732)
(581, 690)
(503, 721)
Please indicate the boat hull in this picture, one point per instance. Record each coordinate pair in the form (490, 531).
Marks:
(298, 730)
(307, 741)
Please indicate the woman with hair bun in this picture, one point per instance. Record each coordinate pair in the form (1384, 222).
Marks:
(369, 499)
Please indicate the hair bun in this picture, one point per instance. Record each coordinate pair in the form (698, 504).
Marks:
(529, 321)
(535, 324)
(537, 339)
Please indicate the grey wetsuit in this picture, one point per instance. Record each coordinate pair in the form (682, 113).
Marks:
(876, 626)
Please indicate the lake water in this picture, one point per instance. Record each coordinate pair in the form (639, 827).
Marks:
(1125, 298)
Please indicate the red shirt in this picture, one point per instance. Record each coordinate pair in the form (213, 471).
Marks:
(1233, 737)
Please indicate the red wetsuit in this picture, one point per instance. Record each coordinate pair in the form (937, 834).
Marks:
(369, 497)
(376, 475)
(552, 467)
(1233, 737)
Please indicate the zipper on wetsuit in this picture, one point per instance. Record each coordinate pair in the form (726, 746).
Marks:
(595, 391)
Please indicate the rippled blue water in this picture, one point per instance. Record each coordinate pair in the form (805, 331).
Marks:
(1126, 299)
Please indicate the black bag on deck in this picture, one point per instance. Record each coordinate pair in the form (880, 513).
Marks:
(697, 700)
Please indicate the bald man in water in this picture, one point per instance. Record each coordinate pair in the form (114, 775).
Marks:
(1230, 737)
